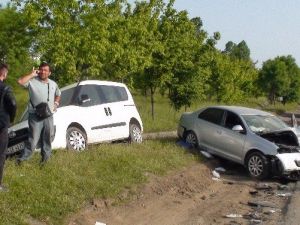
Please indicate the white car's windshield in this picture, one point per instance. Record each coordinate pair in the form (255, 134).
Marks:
(262, 123)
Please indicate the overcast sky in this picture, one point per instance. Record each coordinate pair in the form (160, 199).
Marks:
(270, 27)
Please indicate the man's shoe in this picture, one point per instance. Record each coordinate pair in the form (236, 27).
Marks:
(43, 163)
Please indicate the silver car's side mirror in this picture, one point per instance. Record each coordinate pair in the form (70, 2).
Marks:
(238, 128)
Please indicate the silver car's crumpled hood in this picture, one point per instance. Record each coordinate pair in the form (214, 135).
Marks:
(288, 148)
(281, 137)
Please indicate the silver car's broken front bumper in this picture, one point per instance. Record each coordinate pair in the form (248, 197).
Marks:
(290, 162)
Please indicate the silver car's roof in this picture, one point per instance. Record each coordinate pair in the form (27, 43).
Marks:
(243, 110)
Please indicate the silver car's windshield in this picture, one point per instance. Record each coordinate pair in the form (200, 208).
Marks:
(262, 123)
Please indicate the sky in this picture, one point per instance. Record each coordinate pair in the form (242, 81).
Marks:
(270, 27)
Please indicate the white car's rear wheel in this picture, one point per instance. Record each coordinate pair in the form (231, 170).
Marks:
(76, 139)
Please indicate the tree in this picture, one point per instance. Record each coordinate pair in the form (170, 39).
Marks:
(237, 51)
(280, 77)
(15, 42)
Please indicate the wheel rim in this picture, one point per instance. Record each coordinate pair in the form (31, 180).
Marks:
(255, 166)
(136, 134)
(191, 139)
(77, 141)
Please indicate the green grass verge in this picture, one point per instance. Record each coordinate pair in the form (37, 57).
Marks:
(70, 180)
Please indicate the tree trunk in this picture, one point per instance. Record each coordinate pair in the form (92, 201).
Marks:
(152, 102)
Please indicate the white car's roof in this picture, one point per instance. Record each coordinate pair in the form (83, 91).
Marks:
(97, 82)
(243, 110)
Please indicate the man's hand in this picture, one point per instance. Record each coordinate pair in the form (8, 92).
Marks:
(34, 72)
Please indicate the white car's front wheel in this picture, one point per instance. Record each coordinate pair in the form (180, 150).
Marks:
(76, 139)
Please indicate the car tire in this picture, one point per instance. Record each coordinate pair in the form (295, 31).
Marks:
(76, 139)
(257, 165)
(135, 133)
(191, 139)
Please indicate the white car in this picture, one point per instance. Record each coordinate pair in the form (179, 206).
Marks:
(90, 112)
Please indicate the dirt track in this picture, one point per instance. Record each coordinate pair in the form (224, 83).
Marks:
(191, 197)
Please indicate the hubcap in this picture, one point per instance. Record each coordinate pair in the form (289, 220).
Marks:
(191, 139)
(255, 166)
(77, 141)
(136, 135)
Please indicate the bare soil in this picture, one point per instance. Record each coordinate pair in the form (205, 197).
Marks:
(190, 196)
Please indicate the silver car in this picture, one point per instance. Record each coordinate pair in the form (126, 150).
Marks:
(260, 141)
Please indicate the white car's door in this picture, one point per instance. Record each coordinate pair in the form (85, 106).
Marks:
(94, 114)
(114, 100)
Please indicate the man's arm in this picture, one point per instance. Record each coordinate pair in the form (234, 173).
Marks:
(11, 104)
(24, 79)
(57, 100)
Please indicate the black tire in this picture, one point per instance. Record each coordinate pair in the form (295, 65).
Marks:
(258, 165)
(76, 139)
(191, 138)
(135, 133)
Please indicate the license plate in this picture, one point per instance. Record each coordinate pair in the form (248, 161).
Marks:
(16, 148)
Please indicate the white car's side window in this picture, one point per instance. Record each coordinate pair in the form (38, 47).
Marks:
(88, 96)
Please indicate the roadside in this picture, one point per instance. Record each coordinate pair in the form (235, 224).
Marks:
(292, 216)
(193, 196)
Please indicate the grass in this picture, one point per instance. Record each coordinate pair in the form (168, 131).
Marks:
(70, 180)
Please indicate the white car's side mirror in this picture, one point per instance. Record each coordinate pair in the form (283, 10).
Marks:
(238, 128)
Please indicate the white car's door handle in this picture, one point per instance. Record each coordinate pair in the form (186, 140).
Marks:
(219, 132)
(106, 112)
(109, 111)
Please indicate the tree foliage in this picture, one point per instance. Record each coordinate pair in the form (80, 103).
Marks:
(238, 51)
(280, 77)
(149, 45)
(15, 42)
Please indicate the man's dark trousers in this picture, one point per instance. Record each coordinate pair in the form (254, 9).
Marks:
(3, 146)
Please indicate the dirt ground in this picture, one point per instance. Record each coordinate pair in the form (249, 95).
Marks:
(192, 197)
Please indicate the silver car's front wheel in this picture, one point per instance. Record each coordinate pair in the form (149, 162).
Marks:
(191, 139)
(76, 139)
(257, 165)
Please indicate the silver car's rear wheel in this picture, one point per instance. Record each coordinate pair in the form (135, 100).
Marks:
(76, 139)
(191, 139)
(257, 165)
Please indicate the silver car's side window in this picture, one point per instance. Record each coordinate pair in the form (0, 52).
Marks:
(232, 120)
(212, 115)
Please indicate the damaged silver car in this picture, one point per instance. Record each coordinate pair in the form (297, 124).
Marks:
(260, 141)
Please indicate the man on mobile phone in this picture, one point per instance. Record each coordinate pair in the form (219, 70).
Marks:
(41, 90)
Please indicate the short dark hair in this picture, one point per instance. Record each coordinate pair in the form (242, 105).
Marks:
(43, 64)
(3, 67)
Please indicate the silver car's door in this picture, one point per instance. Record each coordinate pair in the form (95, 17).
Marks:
(208, 127)
(230, 143)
